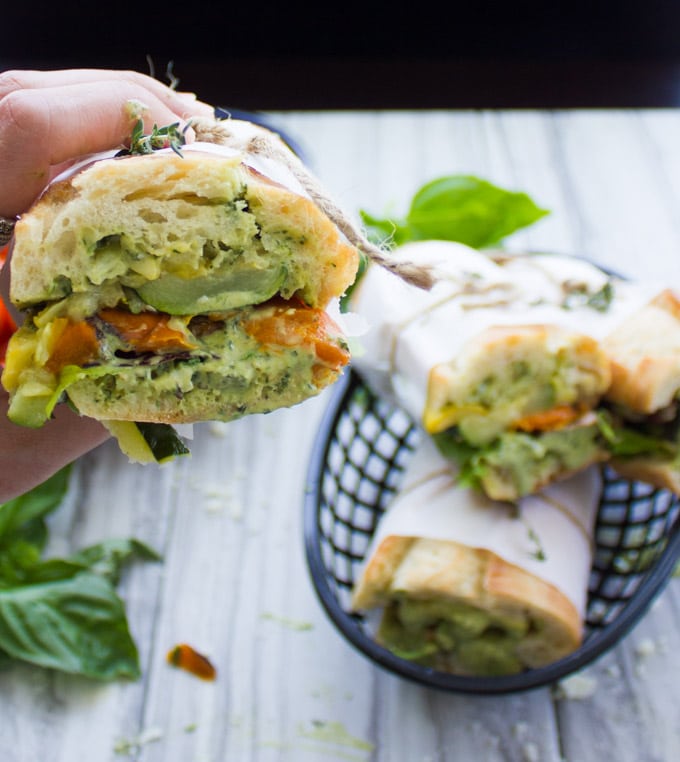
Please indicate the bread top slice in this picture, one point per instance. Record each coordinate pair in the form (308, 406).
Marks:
(163, 221)
(515, 376)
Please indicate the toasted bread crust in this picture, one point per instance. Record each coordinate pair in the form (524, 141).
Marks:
(430, 569)
(645, 356)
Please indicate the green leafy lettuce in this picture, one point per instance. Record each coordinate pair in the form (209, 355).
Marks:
(624, 440)
(62, 613)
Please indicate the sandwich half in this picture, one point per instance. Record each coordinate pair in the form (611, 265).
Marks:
(174, 287)
(488, 363)
(526, 368)
(466, 585)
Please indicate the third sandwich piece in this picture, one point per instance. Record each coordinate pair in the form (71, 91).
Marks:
(471, 586)
(521, 366)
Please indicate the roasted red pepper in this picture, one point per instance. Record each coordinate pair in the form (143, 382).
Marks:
(185, 657)
(7, 324)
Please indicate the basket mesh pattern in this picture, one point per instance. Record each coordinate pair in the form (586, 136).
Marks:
(365, 447)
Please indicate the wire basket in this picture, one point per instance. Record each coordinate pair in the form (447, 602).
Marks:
(357, 461)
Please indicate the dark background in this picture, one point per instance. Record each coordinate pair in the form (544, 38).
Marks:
(353, 55)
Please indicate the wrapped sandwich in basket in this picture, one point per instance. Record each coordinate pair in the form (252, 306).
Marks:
(524, 367)
(471, 586)
(177, 286)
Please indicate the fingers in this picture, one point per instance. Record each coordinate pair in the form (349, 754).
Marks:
(74, 114)
(29, 456)
(182, 104)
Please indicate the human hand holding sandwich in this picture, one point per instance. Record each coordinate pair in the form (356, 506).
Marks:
(48, 120)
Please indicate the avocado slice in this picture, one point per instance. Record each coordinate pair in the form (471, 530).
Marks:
(212, 293)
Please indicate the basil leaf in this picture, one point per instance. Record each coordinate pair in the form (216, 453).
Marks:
(62, 613)
(461, 208)
(470, 459)
(77, 625)
(33, 532)
(34, 504)
(16, 561)
(108, 558)
(5, 660)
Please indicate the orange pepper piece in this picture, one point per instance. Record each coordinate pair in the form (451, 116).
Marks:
(547, 420)
(187, 658)
(77, 345)
(146, 331)
(289, 325)
(7, 324)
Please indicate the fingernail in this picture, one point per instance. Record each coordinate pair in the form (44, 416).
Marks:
(193, 106)
(187, 97)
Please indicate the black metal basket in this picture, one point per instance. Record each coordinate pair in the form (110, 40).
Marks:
(357, 461)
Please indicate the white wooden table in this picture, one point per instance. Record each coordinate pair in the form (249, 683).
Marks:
(228, 521)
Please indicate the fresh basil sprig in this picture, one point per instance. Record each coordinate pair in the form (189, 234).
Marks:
(63, 613)
(461, 208)
(169, 136)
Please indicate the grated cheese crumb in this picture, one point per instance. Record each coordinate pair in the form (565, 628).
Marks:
(218, 429)
(577, 687)
(134, 745)
(646, 647)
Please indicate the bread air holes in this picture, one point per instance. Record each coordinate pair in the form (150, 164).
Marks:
(109, 243)
(186, 212)
(152, 216)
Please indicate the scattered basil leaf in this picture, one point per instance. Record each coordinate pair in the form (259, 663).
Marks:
(461, 208)
(33, 505)
(63, 613)
(76, 625)
(108, 558)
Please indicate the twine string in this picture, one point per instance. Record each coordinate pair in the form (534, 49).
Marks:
(270, 146)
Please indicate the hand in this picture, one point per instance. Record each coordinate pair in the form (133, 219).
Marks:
(49, 119)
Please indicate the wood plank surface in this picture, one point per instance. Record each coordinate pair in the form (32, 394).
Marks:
(228, 520)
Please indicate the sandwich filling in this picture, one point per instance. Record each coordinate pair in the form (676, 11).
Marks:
(162, 367)
(456, 636)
